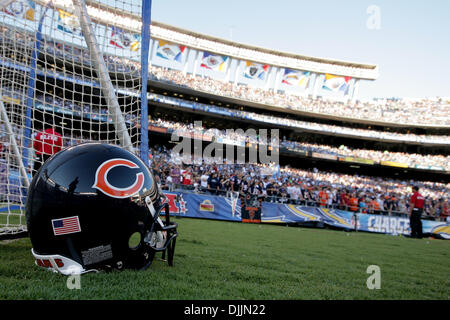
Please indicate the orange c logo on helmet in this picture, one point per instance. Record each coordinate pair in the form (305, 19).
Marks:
(102, 183)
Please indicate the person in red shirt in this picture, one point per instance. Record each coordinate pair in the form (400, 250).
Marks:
(374, 206)
(323, 197)
(445, 211)
(344, 200)
(187, 177)
(353, 202)
(415, 212)
(46, 143)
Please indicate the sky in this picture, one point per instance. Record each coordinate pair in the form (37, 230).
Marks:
(408, 40)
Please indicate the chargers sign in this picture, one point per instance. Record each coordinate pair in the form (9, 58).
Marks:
(233, 209)
(386, 224)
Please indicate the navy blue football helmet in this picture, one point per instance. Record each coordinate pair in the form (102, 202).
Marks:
(96, 206)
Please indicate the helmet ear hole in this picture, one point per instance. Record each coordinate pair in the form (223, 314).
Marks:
(135, 240)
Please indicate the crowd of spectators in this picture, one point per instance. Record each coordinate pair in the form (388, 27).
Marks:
(411, 159)
(432, 111)
(96, 112)
(295, 186)
(297, 124)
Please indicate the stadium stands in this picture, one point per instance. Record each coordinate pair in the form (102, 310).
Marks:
(54, 102)
(413, 160)
(290, 185)
(426, 111)
(286, 185)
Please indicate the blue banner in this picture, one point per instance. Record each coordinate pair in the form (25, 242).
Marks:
(193, 205)
(439, 229)
(204, 206)
(229, 209)
(287, 213)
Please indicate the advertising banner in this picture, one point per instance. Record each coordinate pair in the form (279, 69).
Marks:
(287, 213)
(439, 229)
(394, 164)
(24, 9)
(336, 83)
(295, 78)
(357, 160)
(254, 210)
(384, 224)
(170, 51)
(68, 22)
(157, 129)
(214, 62)
(124, 40)
(204, 206)
(255, 70)
(323, 156)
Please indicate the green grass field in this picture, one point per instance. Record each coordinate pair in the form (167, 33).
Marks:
(225, 260)
(14, 218)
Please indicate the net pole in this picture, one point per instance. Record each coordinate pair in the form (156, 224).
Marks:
(5, 3)
(145, 43)
(31, 90)
(13, 142)
(103, 75)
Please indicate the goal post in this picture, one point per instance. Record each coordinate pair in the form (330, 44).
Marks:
(77, 67)
(145, 54)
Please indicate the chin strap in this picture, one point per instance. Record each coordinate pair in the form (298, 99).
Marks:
(153, 212)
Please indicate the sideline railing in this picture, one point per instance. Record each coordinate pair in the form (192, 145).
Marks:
(286, 200)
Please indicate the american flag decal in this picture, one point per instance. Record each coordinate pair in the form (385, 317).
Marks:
(66, 225)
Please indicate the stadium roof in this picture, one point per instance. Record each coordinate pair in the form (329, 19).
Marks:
(263, 55)
(237, 50)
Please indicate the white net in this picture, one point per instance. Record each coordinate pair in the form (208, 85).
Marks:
(53, 89)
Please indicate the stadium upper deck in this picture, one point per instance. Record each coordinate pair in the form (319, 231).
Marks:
(235, 62)
(202, 42)
(286, 81)
(274, 58)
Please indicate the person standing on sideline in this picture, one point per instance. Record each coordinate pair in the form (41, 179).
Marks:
(323, 197)
(415, 213)
(45, 144)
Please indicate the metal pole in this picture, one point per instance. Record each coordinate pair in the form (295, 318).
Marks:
(103, 75)
(15, 148)
(145, 46)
